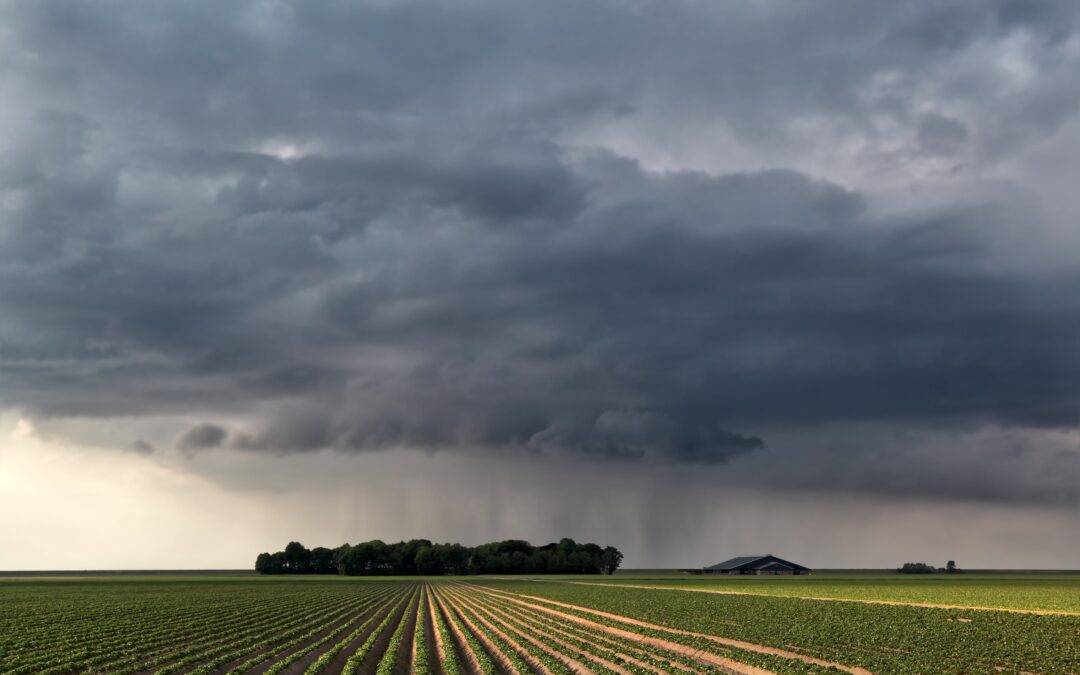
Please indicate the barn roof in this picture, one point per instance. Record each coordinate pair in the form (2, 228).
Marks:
(753, 562)
(735, 562)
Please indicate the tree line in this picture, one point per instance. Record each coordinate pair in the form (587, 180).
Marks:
(923, 568)
(420, 556)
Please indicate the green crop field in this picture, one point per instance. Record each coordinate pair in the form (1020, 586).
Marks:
(1058, 592)
(308, 625)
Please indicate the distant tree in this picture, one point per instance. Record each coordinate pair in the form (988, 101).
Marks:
(427, 561)
(297, 558)
(610, 560)
(321, 561)
(262, 563)
(951, 568)
(339, 557)
(455, 559)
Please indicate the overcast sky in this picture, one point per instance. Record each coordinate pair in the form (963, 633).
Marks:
(694, 279)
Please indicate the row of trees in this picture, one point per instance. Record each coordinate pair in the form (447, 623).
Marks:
(923, 568)
(420, 556)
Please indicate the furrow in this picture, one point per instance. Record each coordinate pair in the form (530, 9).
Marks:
(571, 656)
(476, 659)
(579, 639)
(396, 657)
(338, 654)
(102, 657)
(367, 656)
(298, 661)
(658, 660)
(725, 664)
(737, 644)
(526, 653)
(255, 655)
(449, 661)
(420, 655)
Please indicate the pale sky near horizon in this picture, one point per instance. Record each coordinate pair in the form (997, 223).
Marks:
(694, 279)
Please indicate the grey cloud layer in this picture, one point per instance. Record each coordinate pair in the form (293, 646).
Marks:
(369, 227)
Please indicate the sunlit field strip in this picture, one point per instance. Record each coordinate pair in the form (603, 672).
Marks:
(448, 655)
(420, 653)
(476, 656)
(503, 648)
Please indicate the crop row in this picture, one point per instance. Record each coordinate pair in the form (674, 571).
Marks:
(273, 630)
(444, 628)
(877, 638)
(513, 629)
(309, 627)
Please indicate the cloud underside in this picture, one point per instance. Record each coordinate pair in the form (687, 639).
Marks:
(319, 227)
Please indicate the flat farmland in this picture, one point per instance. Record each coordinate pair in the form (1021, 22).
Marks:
(1036, 591)
(309, 625)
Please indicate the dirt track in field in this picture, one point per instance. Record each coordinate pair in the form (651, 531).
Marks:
(672, 646)
(898, 603)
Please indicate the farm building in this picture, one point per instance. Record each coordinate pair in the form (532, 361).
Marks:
(757, 564)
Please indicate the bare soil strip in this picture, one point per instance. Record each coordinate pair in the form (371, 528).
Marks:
(405, 658)
(570, 662)
(338, 663)
(436, 648)
(301, 665)
(433, 631)
(421, 609)
(522, 651)
(739, 644)
(454, 645)
(501, 661)
(468, 658)
(864, 601)
(342, 626)
(370, 665)
(535, 664)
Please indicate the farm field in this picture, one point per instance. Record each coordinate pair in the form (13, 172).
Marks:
(309, 625)
(1050, 592)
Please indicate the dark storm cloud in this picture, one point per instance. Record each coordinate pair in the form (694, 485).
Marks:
(366, 227)
(202, 437)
